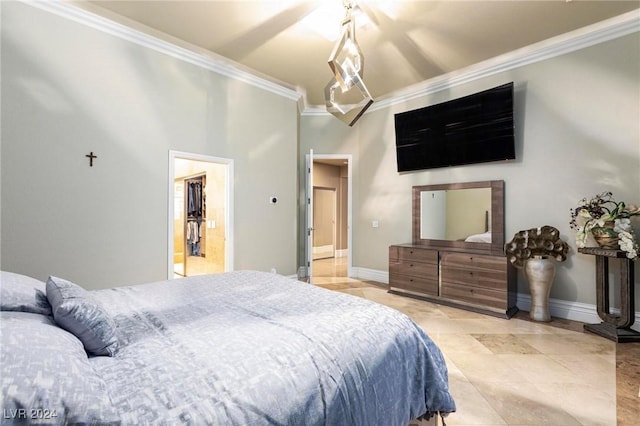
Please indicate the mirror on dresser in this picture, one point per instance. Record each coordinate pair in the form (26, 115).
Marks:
(468, 216)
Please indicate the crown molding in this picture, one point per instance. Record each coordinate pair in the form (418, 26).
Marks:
(591, 35)
(601, 32)
(174, 48)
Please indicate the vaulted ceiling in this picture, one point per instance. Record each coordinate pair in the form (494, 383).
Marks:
(403, 42)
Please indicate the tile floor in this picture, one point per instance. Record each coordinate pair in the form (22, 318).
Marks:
(198, 265)
(517, 372)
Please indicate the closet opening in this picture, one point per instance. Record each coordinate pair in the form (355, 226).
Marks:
(200, 215)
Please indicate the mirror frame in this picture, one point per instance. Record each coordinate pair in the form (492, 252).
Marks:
(496, 247)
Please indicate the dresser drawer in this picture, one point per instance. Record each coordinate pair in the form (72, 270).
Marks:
(490, 279)
(415, 269)
(412, 254)
(477, 296)
(473, 261)
(420, 285)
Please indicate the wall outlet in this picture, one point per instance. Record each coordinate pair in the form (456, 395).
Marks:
(375, 224)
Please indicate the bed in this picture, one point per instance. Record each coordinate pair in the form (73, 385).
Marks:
(485, 237)
(238, 348)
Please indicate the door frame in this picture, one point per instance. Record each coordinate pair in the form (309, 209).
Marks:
(228, 214)
(309, 207)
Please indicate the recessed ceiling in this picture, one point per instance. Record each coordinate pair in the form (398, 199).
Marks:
(403, 42)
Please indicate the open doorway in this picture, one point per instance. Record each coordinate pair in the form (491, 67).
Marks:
(331, 221)
(199, 215)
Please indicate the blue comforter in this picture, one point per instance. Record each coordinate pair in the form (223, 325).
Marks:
(252, 348)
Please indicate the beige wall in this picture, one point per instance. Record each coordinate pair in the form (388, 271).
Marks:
(68, 89)
(577, 134)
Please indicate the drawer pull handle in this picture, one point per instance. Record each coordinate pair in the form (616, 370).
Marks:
(411, 265)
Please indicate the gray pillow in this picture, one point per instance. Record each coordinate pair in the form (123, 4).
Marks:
(75, 310)
(23, 294)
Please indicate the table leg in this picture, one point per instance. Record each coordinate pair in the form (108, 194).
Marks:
(615, 327)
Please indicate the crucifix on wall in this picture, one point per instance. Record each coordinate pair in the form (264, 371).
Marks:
(91, 157)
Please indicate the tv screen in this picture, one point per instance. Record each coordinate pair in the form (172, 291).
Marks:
(473, 129)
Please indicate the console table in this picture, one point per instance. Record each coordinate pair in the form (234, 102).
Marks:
(614, 327)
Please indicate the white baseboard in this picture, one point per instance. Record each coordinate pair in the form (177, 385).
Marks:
(302, 271)
(574, 311)
(342, 253)
(565, 309)
(370, 275)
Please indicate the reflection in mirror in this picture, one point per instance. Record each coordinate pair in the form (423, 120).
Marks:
(456, 215)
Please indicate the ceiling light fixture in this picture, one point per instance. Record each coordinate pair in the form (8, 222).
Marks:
(346, 95)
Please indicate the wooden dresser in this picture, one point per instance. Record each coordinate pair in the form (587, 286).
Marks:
(475, 281)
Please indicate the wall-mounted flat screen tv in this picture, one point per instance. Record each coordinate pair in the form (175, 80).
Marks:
(477, 128)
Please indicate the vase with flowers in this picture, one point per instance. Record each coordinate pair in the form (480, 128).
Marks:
(608, 221)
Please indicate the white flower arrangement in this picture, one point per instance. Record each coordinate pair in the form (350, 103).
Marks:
(627, 240)
(596, 212)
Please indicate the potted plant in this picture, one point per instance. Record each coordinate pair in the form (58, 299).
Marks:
(608, 221)
(536, 250)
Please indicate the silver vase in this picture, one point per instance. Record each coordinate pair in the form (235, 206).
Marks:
(540, 272)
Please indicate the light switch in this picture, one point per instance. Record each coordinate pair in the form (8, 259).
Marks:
(211, 224)
(375, 224)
